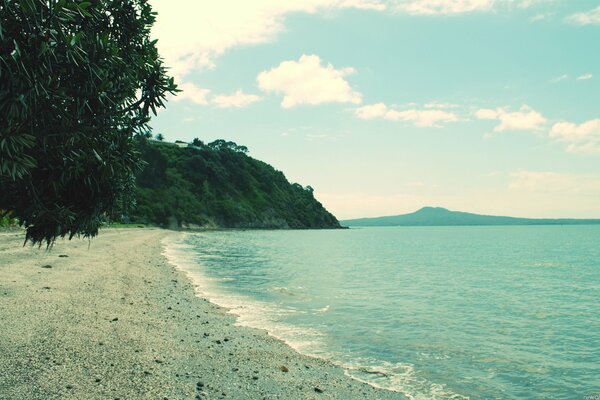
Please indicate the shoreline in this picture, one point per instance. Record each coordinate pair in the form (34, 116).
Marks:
(119, 321)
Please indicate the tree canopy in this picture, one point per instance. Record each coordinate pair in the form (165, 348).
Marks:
(219, 185)
(78, 79)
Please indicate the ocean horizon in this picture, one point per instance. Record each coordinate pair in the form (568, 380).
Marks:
(428, 312)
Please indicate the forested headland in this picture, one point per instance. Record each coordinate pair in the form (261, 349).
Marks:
(217, 185)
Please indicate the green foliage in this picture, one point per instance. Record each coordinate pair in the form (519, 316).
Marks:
(78, 80)
(218, 185)
(6, 219)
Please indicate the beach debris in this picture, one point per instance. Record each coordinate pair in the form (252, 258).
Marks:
(283, 368)
(199, 385)
(318, 390)
(46, 287)
(114, 319)
(98, 380)
(69, 386)
(63, 255)
(47, 266)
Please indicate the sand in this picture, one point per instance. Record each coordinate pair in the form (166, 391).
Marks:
(112, 319)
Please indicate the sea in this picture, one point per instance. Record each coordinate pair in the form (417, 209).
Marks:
(489, 312)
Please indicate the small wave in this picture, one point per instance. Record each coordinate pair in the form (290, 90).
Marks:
(398, 378)
(253, 313)
(248, 312)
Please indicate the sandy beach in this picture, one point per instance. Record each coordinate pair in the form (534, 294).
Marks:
(112, 319)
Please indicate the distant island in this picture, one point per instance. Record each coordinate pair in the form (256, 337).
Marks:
(217, 185)
(438, 216)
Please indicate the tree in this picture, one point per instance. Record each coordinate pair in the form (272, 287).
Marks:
(78, 79)
(221, 144)
(198, 143)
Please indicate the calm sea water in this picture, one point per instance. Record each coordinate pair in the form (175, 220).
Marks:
(430, 312)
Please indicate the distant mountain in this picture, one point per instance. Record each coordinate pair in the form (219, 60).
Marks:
(437, 216)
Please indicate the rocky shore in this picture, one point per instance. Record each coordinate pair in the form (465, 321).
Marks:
(111, 319)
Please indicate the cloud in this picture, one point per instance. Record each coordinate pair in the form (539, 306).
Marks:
(526, 119)
(418, 117)
(422, 118)
(237, 100)
(560, 78)
(454, 7)
(585, 77)
(579, 138)
(212, 27)
(193, 93)
(307, 81)
(540, 17)
(436, 104)
(591, 17)
(201, 96)
(372, 111)
(432, 7)
(529, 3)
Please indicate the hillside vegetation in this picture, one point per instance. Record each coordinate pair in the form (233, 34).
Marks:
(219, 185)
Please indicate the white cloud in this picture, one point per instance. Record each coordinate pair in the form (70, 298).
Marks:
(432, 7)
(236, 100)
(591, 17)
(307, 81)
(372, 111)
(559, 78)
(449, 7)
(585, 77)
(201, 96)
(526, 119)
(418, 117)
(436, 104)
(192, 92)
(579, 138)
(192, 33)
(529, 3)
(422, 118)
(486, 113)
(540, 17)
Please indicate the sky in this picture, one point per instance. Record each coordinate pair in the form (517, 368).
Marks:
(386, 106)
